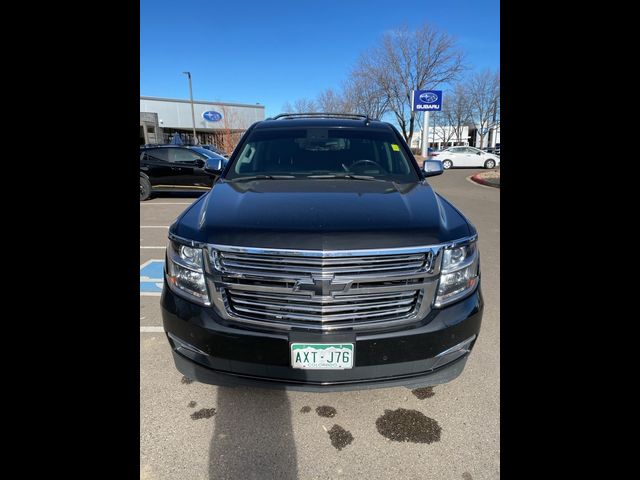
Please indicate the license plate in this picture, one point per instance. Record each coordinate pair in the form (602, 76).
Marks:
(322, 356)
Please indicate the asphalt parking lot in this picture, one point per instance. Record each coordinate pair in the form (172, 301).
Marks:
(194, 431)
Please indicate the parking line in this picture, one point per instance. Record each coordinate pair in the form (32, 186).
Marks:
(151, 329)
(152, 247)
(154, 226)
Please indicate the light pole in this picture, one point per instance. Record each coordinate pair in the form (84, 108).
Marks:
(494, 129)
(433, 135)
(425, 133)
(193, 115)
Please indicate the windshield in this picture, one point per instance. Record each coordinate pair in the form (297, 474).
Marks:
(323, 153)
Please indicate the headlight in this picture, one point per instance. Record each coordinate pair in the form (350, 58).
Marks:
(185, 272)
(458, 274)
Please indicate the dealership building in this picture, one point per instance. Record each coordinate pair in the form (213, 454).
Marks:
(216, 123)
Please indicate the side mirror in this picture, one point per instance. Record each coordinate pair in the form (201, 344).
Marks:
(199, 163)
(213, 167)
(480, 153)
(431, 168)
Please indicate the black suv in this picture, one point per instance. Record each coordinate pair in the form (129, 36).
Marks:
(322, 260)
(174, 168)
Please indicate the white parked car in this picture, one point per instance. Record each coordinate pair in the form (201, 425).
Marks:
(466, 157)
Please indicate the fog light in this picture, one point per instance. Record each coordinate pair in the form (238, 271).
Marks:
(453, 353)
(184, 347)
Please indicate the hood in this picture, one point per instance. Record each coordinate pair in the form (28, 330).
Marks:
(321, 215)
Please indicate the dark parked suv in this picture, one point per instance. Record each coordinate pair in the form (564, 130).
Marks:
(322, 260)
(174, 168)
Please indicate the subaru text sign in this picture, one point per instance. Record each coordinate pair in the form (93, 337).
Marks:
(427, 100)
(212, 116)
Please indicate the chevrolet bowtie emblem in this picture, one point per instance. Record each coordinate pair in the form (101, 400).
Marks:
(321, 286)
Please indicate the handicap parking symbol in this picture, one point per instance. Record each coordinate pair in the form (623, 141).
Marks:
(151, 274)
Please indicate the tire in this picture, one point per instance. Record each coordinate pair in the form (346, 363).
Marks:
(447, 164)
(145, 189)
(490, 163)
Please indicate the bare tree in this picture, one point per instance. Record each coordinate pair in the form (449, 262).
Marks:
(287, 107)
(362, 95)
(411, 60)
(458, 110)
(330, 102)
(484, 99)
(229, 134)
(301, 105)
(444, 131)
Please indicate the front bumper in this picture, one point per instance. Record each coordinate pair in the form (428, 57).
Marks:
(210, 350)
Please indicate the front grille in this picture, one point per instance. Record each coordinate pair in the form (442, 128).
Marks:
(321, 290)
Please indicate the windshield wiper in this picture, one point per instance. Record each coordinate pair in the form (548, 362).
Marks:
(346, 175)
(261, 177)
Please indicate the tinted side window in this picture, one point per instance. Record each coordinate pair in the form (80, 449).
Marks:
(179, 155)
(156, 154)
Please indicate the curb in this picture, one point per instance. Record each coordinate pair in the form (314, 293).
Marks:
(476, 178)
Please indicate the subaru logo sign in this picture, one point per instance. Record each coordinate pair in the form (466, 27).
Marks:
(428, 97)
(427, 100)
(212, 116)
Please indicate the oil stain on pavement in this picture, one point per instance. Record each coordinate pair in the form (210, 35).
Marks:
(403, 425)
(340, 437)
(191, 404)
(326, 411)
(305, 409)
(203, 413)
(467, 476)
(423, 393)
(186, 380)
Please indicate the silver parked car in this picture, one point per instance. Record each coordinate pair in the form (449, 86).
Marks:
(466, 157)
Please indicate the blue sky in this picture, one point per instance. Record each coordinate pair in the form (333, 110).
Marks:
(274, 51)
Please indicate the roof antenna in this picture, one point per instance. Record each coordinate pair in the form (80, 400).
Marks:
(366, 120)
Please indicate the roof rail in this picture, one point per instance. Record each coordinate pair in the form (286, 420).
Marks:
(355, 116)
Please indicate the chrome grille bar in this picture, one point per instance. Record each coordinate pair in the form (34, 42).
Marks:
(239, 267)
(232, 262)
(323, 300)
(284, 290)
(322, 318)
(320, 309)
(319, 260)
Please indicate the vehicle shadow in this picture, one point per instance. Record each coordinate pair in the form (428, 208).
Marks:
(253, 435)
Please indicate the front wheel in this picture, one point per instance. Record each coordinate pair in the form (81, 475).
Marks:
(447, 164)
(489, 163)
(145, 189)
